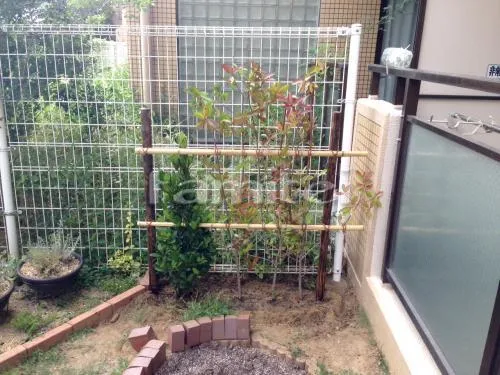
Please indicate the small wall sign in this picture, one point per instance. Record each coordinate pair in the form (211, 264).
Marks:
(493, 71)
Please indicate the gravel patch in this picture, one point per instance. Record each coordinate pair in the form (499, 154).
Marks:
(218, 360)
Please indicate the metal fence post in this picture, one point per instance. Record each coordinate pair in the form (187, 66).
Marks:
(9, 201)
(347, 134)
(147, 141)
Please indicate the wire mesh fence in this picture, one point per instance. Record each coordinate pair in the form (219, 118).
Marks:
(72, 96)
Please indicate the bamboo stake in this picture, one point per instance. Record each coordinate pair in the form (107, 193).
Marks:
(267, 226)
(245, 152)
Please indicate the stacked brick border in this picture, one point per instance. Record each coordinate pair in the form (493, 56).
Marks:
(89, 319)
(179, 340)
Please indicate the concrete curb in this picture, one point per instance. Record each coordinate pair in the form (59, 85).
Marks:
(89, 319)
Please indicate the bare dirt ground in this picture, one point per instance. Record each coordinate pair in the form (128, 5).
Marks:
(334, 333)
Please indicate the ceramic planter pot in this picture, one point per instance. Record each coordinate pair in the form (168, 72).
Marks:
(4, 300)
(53, 286)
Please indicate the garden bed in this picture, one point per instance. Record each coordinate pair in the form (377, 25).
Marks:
(28, 316)
(218, 360)
(333, 334)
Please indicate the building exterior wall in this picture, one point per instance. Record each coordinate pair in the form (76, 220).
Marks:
(467, 44)
(376, 131)
(163, 52)
(335, 13)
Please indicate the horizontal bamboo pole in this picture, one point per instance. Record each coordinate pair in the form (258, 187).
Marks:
(308, 228)
(245, 152)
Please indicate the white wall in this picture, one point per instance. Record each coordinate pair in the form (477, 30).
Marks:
(462, 37)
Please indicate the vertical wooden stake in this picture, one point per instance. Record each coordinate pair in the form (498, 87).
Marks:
(147, 141)
(327, 214)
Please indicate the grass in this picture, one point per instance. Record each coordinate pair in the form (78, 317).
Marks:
(364, 322)
(296, 352)
(115, 285)
(44, 363)
(209, 306)
(31, 323)
(38, 363)
(322, 370)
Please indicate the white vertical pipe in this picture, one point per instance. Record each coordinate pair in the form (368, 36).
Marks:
(145, 57)
(9, 202)
(347, 133)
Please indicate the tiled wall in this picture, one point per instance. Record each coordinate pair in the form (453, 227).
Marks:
(347, 12)
(373, 119)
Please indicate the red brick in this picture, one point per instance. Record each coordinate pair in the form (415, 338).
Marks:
(205, 329)
(230, 327)
(156, 344)
(88, 319)
(134, 371)
(161, 346)
(154, 354)
(12, 357)
(218, 328)
(124, 298)
(192, 328)
(49, 339)
(144, 362)
(243, 326)
(139, 337)
(176, 338)
(104, 311)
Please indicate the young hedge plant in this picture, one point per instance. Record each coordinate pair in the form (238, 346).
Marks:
(184, 252)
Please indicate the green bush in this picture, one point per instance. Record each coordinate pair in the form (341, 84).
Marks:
(184, 252)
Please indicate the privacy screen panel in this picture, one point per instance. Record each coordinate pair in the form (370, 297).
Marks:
(446, 250)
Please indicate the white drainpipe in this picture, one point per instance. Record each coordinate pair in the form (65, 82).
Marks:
(348, 128)
(9, 203)
(145, 57)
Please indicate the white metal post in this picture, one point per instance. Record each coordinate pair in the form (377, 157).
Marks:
(9, 202)
(145, 57)
(347, 133)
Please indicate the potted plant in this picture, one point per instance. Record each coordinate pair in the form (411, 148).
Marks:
(6, 283)
(50, 267)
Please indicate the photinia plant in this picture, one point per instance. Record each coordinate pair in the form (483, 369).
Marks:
(272, 117)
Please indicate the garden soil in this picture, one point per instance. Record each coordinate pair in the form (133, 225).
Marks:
(331, 332)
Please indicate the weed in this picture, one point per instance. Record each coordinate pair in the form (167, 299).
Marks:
(31, 323)
(383, 366)
(81, 334)
(121, 365)
(363, 320)
(116, 285)
(296, 352)
(322, 370)
(210, 306)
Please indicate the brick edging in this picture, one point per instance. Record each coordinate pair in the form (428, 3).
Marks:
(260, 343)
(91, 318)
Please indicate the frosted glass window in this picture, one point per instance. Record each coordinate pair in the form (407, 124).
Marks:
(447, 245)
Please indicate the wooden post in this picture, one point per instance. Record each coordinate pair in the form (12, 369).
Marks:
(327, 215)
(147, 141)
